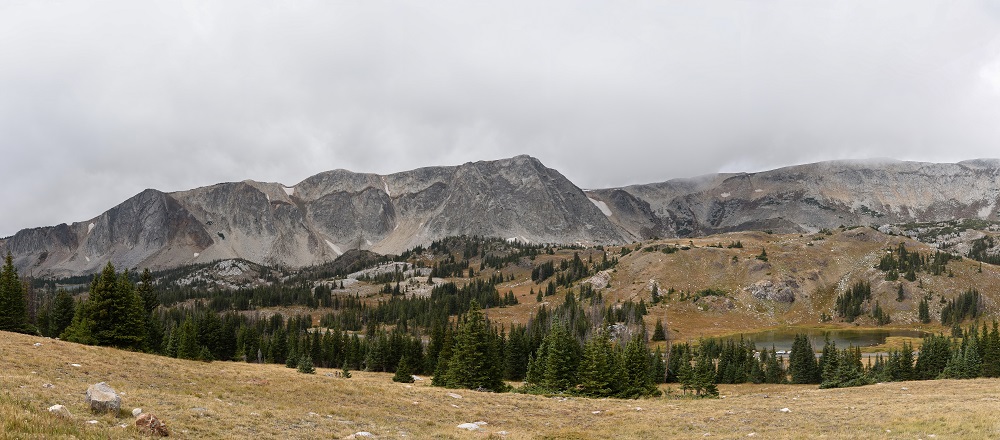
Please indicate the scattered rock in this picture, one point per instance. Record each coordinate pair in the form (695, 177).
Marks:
(136, 412)
(48, 385)
(454, 396)
(150, 425)
(360, 434)
(92, 422)
(38, 344)
(417, 378)
(75, 365)
(782, 291)
(102, 399)
(595, 412)
(60, 411)
(471, 426)
(785, 410)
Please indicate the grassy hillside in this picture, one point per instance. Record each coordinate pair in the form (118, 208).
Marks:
(816, 267)
(238, 400)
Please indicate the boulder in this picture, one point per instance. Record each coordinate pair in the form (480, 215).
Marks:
(150, 425)
(101, 398)
(475, 426)
(60, 411)
(136, 412)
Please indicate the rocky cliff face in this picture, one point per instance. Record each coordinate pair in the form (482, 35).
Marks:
(519, 198)
(320, 218)
(807, 198)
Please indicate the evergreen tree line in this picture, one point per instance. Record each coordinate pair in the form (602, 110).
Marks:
(966, 306)
(980, 250)
(901, 261)
(969, 353)
(13, 300)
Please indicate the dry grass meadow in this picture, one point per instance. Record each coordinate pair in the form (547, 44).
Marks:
(238, 400)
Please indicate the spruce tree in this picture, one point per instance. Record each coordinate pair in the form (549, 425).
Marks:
(475, 360)
(61, 313)
(658, 333)
(113, 314)
(306, 365)
(81, 330)
(636, 380)
(802, 361)
(403, 372)
(597, 368)
(443, 359)
(562, 359)
(924, 312)
(13, 305)
(703, 377)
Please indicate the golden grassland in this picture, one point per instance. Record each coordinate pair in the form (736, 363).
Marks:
(820, 265)
(239, 400)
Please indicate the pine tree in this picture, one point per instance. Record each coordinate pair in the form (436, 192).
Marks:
(13, 305)
(802, 361)
(703, 377)
(830, 361)
(113, 314)
(61, 314)
(774, 371)
(403, 372)
(187, 340)
(685, 374)
(81, 330)
(597, 369)
(306, 365)
(443, 359)
(561, 360)
(475, 361)
(636, 380)
(763, 255)
(924, 311)
(905, 363)
(658, 333)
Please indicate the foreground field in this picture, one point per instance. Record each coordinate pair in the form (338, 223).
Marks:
(238, 400)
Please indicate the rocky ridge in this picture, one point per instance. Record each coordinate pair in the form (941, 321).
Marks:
(330, 213)
(320, 218)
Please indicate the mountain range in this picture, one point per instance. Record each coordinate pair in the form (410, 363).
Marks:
(519, 198)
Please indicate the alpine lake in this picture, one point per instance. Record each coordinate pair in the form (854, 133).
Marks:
(781, 339)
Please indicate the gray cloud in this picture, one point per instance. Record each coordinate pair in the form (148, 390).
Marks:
(101, 100)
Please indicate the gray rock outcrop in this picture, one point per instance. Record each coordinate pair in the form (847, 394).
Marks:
(783, 291)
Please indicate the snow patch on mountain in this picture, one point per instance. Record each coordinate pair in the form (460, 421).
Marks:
(601, 205)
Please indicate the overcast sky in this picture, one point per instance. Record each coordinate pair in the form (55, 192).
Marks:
(102, 99)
